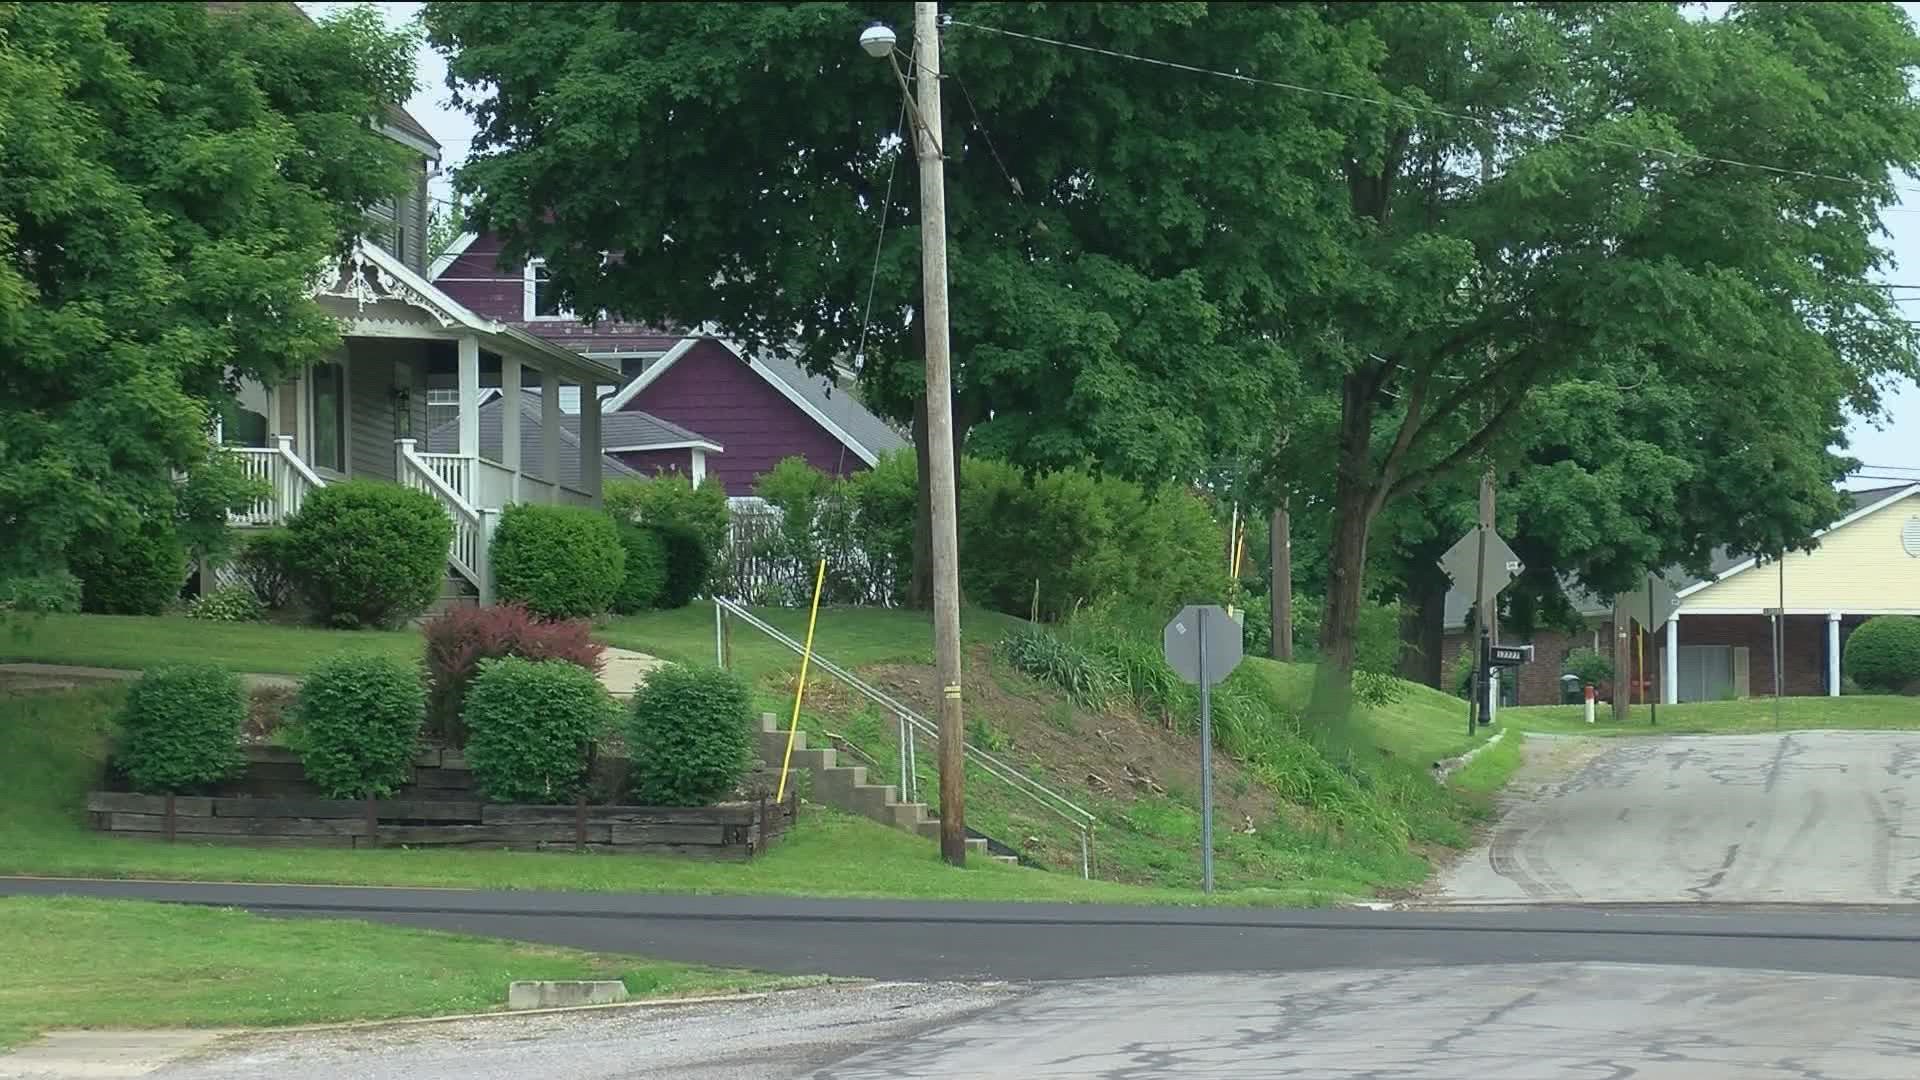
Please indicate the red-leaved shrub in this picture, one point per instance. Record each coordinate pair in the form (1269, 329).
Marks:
(460, 639)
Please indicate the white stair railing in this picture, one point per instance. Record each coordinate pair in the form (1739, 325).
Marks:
(472, 527)
(288, 480)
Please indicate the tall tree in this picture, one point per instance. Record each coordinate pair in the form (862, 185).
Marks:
(170, 179)
(1112, 227)
(1554, 205)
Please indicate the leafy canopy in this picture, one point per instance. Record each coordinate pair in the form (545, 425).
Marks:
(170, 178)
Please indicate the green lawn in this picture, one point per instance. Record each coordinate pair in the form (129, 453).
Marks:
(76, 963)
(52, 748)
(1865, 712)
(139, 641)
(850, 637)
(1425, 725)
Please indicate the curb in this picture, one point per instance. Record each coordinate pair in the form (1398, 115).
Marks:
(1449, 766)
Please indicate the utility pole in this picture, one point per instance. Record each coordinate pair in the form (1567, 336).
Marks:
(1485, 625)
(1622, 661)
(1280, 589)
(946, 539)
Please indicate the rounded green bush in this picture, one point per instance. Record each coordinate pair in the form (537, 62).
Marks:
(562, 562)
(530, 726)
(182, 725)
(359, 723)
(43, 593)
(646, 573)
(136, 571)
(1883, 654)
(689, 564)
(369, 554)
(690, 736)
(229, 603)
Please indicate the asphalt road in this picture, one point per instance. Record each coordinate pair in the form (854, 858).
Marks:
(945, 941)
(1799, 817)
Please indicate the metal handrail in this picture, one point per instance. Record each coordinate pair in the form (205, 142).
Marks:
(1052, 801)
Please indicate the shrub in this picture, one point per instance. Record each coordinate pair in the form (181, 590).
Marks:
(646, 574)
(228, 603)
(689, 565)
(369, 554)
(53, 591)
(133, 571)
(532, 724)
(691, 736)
(359, 722)
(1591, 665)
(265, 565)
(562, 562)
(182, 727)
(1087, 677)
(1883, 653)
(460, 640)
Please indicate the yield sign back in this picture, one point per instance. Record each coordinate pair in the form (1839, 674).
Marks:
(1502, 564)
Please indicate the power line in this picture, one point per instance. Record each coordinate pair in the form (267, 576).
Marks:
(1390, 103)
(880, 241)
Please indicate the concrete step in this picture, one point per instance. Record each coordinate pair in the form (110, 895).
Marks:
(1010, 860)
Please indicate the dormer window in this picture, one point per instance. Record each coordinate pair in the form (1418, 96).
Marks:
(540, 299)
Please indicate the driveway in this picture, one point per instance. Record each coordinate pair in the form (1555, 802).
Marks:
(1804, 817)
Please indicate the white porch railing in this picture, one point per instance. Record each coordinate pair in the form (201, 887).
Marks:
(288, 480)
(472, 527)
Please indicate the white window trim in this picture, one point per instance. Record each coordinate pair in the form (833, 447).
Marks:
(527, 280)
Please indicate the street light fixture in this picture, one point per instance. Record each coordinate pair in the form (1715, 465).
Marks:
(878, 41)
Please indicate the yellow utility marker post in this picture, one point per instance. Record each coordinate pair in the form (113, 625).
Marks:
(800, 688)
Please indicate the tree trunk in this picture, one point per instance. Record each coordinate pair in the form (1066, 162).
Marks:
(1354, 505)
(1423, 631)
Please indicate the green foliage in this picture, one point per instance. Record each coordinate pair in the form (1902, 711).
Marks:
(135, 570)
(182, 728)
(368, 554)
(1086, 677)
(692, 521)
(1883, 654)
(863, 531)
(1591, 665)
(531, 725)
(54, 591)
(458, 641)
(1377, 643)
(212, 489)
(691, 736)
(228, 603)
(562, 562)
(645, 577)
(177, 175)
(359, 720)
(265, 563)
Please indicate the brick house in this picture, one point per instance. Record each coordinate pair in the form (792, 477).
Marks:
(1718, 642)
(736, 415)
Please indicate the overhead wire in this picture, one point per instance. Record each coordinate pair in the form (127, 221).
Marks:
(1428, 110)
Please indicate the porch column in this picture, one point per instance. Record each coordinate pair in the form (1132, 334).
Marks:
(1833, 654)
(1670, 677)
(550, 432)
(469, 397)
(590, 439)
(699, 466)
(510, 420)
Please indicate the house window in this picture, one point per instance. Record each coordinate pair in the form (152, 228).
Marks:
(329, 399)
(243, 419)
(541, 300)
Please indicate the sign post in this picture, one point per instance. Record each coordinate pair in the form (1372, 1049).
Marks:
(1203, 646)
(1483, 560)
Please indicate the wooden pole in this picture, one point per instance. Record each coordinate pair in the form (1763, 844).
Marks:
(1622, 661)
(940, 447)
(1280, 594)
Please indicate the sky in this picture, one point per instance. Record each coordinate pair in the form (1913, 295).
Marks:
(1889, 448)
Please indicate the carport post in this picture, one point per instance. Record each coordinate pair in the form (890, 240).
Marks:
(1833, 654)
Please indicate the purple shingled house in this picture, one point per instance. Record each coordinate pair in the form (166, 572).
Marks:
(690, 402)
